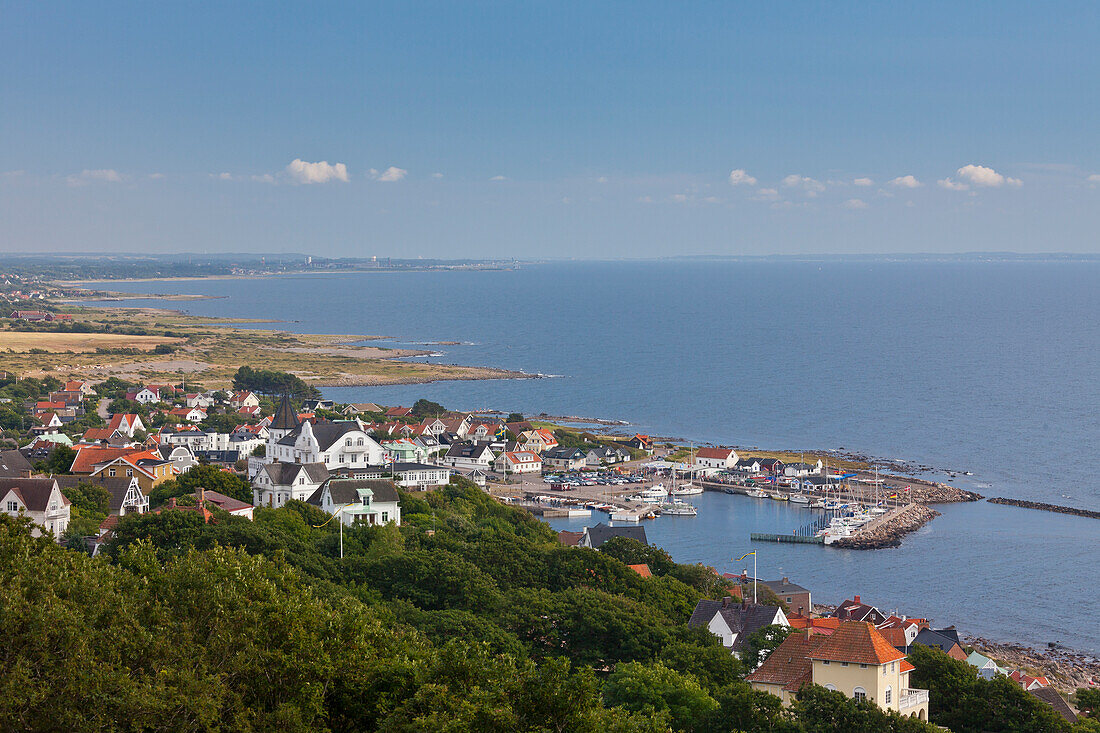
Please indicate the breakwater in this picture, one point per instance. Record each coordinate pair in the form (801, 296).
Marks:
(890, 532)
(1046, 507)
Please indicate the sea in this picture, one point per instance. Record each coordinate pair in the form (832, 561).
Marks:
(987, 370)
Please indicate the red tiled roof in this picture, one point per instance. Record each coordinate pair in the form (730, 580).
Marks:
(88, 456)
(895, 637)
(906, 666)
(642, 570)
(857, 642)
(717, 453)
(789, 665)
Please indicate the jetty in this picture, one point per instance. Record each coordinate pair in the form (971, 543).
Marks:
(1046, 507)
(789, 538)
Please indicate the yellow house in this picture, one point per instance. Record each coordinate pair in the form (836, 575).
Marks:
(147, 467)
(855, 659)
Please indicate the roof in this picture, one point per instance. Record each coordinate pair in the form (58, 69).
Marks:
(562, 453)
(402, 467)
(346, 491)
(858, 643)
(742, 619)
(979, 660)
(1056, 701)
(927, 637)
(223, 502)
(326, 432)
(570, 539)
(467, 450)
(88, 456)
(33, 492)
(601, 533)
(642, 570)
(783, 586)
(789, 666)
(14, 464)
(285, 418)
(895, 636)
(719, 453)
(283, 474)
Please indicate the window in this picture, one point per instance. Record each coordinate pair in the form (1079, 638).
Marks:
(859, 694)
(863, 666)
(889, 693)
(843, 664)
(830, 686)
(385, 516)
(110, 472)
(347, 442)
(53, 506)
(130, 472)
(360, 442)
(13, 506)
(825, 661)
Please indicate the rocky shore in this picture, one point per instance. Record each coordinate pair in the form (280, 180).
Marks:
(890, 532)
(1046, 507)
(1066, 669)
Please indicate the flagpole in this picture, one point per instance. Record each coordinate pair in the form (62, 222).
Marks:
(754, 577)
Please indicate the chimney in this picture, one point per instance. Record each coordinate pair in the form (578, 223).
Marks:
(200, 496)
(172, 501)
(856, 599)
(786, 580)
(726, 602)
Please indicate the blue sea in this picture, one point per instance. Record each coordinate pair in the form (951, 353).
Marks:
(989, 367)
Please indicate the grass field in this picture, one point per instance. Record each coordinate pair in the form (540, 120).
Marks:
(24, 341)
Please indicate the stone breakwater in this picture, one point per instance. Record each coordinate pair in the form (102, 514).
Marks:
(889, 533)
(1046, 507)
(1066, 669)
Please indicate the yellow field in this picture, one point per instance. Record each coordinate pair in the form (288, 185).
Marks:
(24, 341)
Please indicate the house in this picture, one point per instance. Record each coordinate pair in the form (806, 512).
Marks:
(404, 450)
(236, 507)
(244, 398)
(641, 442)
(129, 423)
(522, 462)
(855, 659)
(179, 456)
(570, 539)
(223, 458)
(720, 459)
(567, 459)
(1028, 682)
(279, 482)
(771, 465)
(484, 431)
(421, 475)
(314, 405)
(605, 455)
(945, 644)
(795, 596)
(398, 412)
(14, 464)
(40, 499)
(335, 444)
(537, 441)
(50, 420)
(823, 626)
(594, 537)
(359, 501)
(126, 494)
(189, 414)
(987, 668)
(856, 610)
(30, 315)
(799, 468)
(146, 395)
(198, 399)
(147, 466)
(748, 465)
(477, 475)
(76, 385)
(734, 622)
(1056, 701)
(469, 456)
(359, 408)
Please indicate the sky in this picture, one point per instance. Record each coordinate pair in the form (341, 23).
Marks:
(549, 129)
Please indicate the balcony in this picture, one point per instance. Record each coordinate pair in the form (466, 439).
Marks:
(912, 698)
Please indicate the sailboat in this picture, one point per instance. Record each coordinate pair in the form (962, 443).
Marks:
(675, 507)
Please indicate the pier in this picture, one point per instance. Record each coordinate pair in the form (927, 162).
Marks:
(789, 538)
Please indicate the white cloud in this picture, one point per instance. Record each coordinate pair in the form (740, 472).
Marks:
(909, 181)
(980, 175)
(679, 198)
(863, 182)
(807, 184)
(157, 176)
(322, 172)
(225, 176)
(766, 194)
(437, 175)
(1093, 179)
(952, 185)
(98, 175)
(499, 178)
(265, 178)
(854, 204)
(739, 177)
(392, 174)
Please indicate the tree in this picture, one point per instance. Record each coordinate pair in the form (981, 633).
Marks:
(654, 688)
(831, 711)
(59, 461)
(763, 642)
(426, 408)
(203, 476)
(1088, 702)
(89, 499)
(514, 417)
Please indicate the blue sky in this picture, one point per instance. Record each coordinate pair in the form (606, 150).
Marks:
(549, 129)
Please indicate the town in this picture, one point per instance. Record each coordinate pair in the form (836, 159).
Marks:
(80, 458)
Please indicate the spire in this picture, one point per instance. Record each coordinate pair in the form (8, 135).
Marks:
(285, 417)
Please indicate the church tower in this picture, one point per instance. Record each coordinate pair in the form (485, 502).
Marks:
(285, 422)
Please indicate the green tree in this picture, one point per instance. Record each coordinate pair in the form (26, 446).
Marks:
(762, 642)
(830, 711)
(59, 461)
(654, 688)
(423, 408)
(1088, 702)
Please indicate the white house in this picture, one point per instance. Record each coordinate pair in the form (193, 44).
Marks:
(569, 459)
(243, 399)
(359, 501)
(277, 483)
(40, 499)
(734, 622)
(523, 461)
(126, 494)
(199, 399)
(469, 455)
(715, 458)
(421, 475)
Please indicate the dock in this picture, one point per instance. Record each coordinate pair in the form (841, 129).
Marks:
(789, 538)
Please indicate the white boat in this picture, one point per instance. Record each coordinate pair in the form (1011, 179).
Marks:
(819, 504)
(687, 490)
(799, 499)
(678, 509)
(756, 494)
(656, 491)
(625, 516)
(777, 497)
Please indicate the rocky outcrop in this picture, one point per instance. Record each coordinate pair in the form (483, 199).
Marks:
(1046, 507)
(890, 532)
(1066, 669)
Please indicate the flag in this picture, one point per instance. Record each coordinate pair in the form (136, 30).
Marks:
(745, 555)
(501, 433)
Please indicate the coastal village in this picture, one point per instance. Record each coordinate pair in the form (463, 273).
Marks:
(129, 441)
